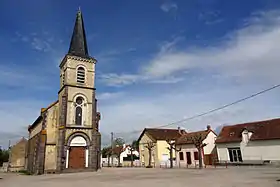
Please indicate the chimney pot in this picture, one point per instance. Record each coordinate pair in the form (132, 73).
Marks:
(208, 127)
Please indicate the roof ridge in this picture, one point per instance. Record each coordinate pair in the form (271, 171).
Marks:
(253, 122)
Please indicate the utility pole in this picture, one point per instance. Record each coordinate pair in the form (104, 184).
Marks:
(9, 149)
(112, 146)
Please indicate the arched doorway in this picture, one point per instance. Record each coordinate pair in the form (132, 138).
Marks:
(77, 154)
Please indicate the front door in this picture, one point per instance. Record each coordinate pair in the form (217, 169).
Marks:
(189, 158)
(77, 158)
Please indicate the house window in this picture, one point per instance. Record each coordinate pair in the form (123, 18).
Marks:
(181, 156)
(81, 75)
(235, 155)
(195, 155)
(79, 111)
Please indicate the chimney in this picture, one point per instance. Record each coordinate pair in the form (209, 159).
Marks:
(181, 131)
(208, 127)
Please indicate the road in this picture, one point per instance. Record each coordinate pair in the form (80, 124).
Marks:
(142, 177)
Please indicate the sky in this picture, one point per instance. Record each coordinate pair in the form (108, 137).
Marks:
(159, 61)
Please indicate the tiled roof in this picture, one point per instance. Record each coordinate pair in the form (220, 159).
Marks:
(262, 130)
(186, 138)
(161, 134)
(117, 150)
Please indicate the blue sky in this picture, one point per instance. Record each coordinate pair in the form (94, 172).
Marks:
(158, 61)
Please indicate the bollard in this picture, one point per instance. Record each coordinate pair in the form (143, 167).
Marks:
(226, 164)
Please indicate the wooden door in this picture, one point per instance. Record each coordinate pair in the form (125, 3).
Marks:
(189, 158)
(77, 158)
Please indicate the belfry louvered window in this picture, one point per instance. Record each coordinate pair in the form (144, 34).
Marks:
(63, 78)
(81, 75)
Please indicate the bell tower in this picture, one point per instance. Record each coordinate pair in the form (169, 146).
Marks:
(78, 132)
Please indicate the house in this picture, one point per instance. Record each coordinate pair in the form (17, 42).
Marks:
(125, 156)
(254, 142)
(17, 156)
(65, 137)
(188, 154)
(158, 139)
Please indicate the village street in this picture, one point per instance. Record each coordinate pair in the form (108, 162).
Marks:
(136, 177)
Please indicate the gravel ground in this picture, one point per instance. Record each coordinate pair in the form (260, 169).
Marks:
(136, 177)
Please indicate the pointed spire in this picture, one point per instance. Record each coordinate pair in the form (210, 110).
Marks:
(78, 45)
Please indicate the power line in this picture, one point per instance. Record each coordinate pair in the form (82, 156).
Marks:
(210, 111)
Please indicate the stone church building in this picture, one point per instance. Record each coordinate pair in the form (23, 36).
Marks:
(65, 137)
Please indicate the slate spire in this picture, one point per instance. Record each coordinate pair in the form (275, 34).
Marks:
(78, 44)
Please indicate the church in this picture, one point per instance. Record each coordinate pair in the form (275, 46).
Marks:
(65, 137)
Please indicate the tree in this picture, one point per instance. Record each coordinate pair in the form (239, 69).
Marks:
(171, 147)
(107, 153)
(4, 156)
(197, 140)
(135, 145)
(117, 151)
(150, 146)
(119, 142)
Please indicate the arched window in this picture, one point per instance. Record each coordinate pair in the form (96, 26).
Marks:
(81, 75)
(79, 111)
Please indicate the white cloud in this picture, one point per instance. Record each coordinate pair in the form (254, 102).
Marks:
(210, 17)
(20, 77)
(109, 95)
(41, 45)
(249, 53)
(245, 63)
(16, 115)
(113, 79)
(168, 6)
(135, 112)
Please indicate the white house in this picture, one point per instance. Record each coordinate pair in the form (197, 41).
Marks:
(254, 142)
(188, 155)
(124, 156)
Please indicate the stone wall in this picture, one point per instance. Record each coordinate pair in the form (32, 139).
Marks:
(17, 156)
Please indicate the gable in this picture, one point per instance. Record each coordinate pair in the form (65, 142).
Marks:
(40, 117)
(36, 127)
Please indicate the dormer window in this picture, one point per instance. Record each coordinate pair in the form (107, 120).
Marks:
(81, 75)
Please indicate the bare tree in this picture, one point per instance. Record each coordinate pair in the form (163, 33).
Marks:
(197, 140)
(118, 151)
(131, 149)
(172, 147)
(150, 146)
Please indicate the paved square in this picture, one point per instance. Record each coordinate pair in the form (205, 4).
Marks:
(136, 177)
